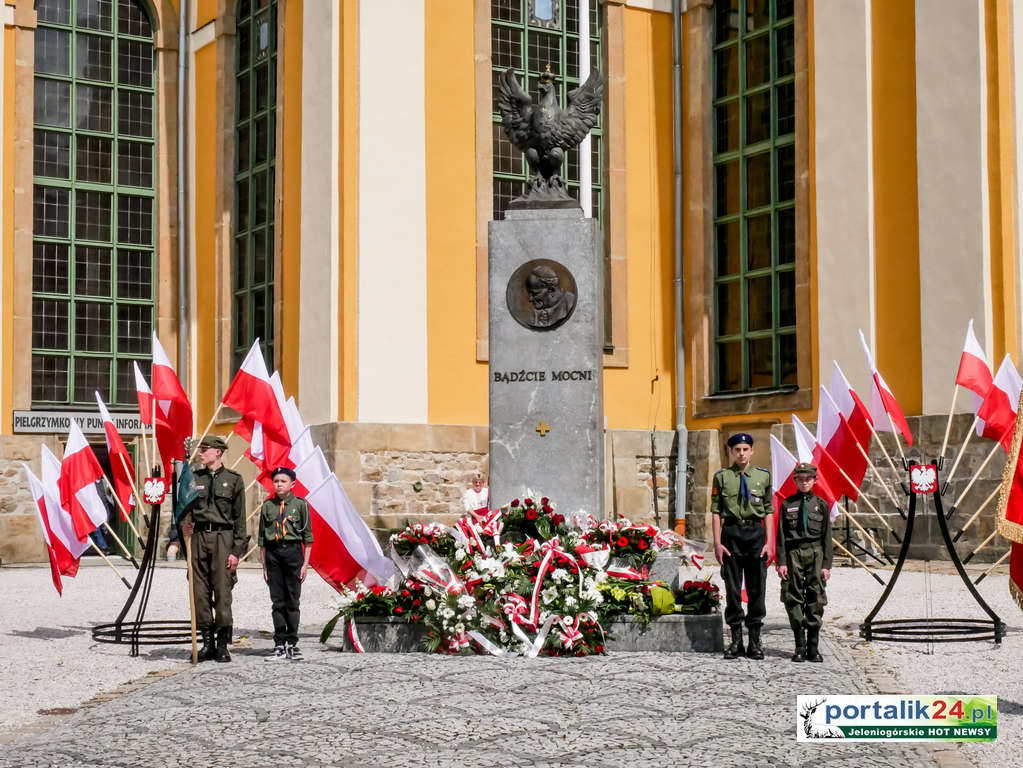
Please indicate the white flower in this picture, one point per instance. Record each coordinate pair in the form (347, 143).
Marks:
(431, 605)
(571, 602)
(560, 574)
(459, 627)
(504, 636)
(460, 554)
(466, 601)
(549, 595)
(447, 613)
(427, 591)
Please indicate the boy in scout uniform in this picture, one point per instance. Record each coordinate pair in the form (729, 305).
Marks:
(285, 540)
(743, 540)
(804, 561)
(217, 528)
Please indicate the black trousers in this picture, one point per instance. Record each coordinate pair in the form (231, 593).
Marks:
(283, 569)
(745, 543)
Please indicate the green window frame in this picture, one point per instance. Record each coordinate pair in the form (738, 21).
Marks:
(754, 323)
(255, 136)
(94, 195)
(529, 36)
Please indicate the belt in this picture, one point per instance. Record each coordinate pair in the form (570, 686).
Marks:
(743, 522)
(208, 527)
(278, 544)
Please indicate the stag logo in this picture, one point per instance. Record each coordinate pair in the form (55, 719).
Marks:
(810, 729)
(924, 478)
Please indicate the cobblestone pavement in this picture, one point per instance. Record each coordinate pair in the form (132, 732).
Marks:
(350, 710)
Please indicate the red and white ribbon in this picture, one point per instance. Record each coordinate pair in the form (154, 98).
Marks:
(353, 635)
(627, 572)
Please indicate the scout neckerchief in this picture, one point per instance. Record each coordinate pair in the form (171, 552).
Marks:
(279, 527)
(743, 488)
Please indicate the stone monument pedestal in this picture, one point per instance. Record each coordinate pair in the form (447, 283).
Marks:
(546, 359)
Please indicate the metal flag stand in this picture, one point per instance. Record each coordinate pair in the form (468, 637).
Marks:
(142, 631)
(936, 629)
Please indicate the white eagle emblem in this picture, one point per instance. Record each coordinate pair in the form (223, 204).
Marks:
(924, 479)
(154, 490)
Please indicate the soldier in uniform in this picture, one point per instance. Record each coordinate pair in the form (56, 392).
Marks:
(804, 561)
(217, 528)
(743, 540)
(285, 539)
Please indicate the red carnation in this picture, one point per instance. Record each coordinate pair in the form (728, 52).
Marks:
(544, 501)
(558, 519)
(398, 609)
(529, 502)
(531, 514)
(416, 601)
(515, 502)
(641, 544)
(622, 541)
(405, 593)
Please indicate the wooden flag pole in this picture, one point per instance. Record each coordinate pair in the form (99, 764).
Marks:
(205, 432)
(948, 424)
(191, 596)
(962, 451)
(869, 504)
(863, 531)
(145, 451)
(255, 511)
(156, 446)
(254, 548)
(880, 479)
(859, 562)
(112, 566)
(994, 565)
(124, 512)
(134, 488)
(976, 475)
(976, 514)
(883, 449)
(895, 434)
(120, 543)
(982, 545)
(237, 461)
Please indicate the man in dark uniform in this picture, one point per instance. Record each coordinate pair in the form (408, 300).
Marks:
(285, 539)
(217, 528)
(743, 540)
(804, 561)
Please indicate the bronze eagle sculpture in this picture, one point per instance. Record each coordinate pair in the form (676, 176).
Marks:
(544, 132)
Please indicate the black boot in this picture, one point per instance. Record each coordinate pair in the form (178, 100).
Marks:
(222, 654)
(800, 635)
(754, 650)
(208, 652)
(813, 636)
(734, 649)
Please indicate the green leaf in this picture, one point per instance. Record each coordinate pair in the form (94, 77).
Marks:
(328, 628)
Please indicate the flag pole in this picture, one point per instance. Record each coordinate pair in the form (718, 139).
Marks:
(868, 503)
(145, 451)
(881, 480)
(886, 454)
(134, 489)
(997, 563)
(120, 543)
(237, 461)
(959, 456)
(895, 434)
(948, 424)
(191, 596)
(152, 422)
(205, 432)
(859, 562)
(976, 514)
(976, 475)
(112, 566)
(863, 531)
(120, 506)
(254, 548)
(982, 545)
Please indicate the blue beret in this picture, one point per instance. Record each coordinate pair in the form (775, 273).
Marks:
(283, 471)
(740, 437)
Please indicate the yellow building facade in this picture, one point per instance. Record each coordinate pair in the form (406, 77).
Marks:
(843, 165)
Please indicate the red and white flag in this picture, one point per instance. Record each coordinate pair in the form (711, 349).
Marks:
(79, 495)
(884, 408)
(301, 439)
(62, 531)
(173, 404)
(120, 462)
(252, 395)
(37, 494)
(974, 373)
(144, 395)
(783, 464)
(831, 485)
(311, 472)
(344, 541)
(838, 438)
(850, 405)
(998, 411)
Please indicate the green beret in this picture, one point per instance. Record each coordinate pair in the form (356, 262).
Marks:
(802, 468)
(215, 441)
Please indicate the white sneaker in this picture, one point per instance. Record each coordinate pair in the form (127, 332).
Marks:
(278, 654)
(294, 653)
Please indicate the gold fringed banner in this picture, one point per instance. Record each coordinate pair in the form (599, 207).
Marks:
(1016, 574)
(1010, 496)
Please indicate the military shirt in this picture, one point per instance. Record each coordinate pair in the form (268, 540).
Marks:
(295, 524)
(728, 502)
(817, 530)
(221, 501)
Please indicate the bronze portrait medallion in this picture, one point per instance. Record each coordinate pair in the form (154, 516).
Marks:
(541, 294)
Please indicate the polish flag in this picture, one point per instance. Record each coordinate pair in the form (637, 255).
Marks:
(974, 373)
(145, 397)
(301, 438)
(999, 407)
(850, 405)
(884, 408)
(37, 494)
(120, 461)
(344, 546)
(62, 531)
(838, 438)
(783, 463)
(311, 472)
(831, 485)
(172, 405)
(252, 395)
(79, 473)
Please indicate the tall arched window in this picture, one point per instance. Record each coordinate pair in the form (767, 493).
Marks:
(754, 195)
(255, 150)
(94, 200)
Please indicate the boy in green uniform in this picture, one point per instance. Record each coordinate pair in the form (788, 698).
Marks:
(804, 561)
(743, 540)
(285, 544)
(217, 526)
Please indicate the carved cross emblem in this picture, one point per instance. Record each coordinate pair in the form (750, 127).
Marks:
(543, 428)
